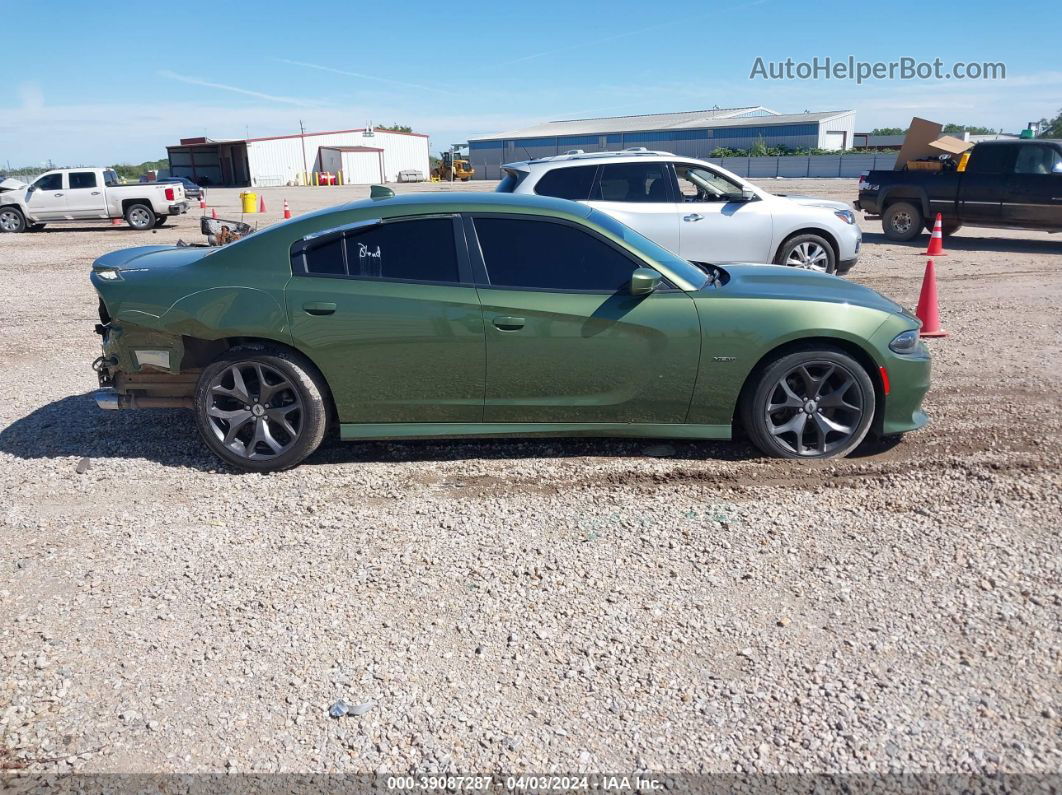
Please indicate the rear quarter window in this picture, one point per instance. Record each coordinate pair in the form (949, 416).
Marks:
(573, 183)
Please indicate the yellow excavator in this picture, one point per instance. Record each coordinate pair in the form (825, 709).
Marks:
(451, 168)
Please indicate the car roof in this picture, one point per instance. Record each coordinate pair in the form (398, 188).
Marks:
(594, 158)
(457, 201)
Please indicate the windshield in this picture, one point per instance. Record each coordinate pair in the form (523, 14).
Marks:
(680, 267)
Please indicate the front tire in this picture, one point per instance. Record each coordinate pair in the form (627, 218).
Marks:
(817, 402)
(140, 216)
(12, 220)
(810, 252)
(902, 222)
(261, 409)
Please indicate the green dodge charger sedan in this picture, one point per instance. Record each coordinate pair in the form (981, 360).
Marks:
(468, 315)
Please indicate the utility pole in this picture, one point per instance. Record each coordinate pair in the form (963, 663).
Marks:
(302, 142)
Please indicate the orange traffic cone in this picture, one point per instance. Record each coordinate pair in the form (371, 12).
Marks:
(116, 222)
(927, 305)
(936, 240)
(213, 213)
(261, 205)
(202, 201)
(287, 210)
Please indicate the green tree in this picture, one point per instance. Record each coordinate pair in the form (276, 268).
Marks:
(1052, 128)
(396, 127)
(129, 171)
(759, 147)
(887, 131)
(972, 129)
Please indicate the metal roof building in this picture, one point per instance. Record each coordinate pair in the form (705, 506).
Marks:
(693, 133)
(285, 159)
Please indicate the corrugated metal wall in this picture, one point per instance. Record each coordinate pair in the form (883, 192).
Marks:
(816, 166)
(835, 131)
(362, 168)
(278, 161)
(488, 156)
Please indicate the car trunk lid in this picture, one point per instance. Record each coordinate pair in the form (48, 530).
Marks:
(143, 258)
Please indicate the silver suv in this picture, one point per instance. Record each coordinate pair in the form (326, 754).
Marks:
(698, 210)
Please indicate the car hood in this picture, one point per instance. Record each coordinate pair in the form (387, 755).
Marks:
(144, 258)
(813, 201)
(10, 183)
(796, 284)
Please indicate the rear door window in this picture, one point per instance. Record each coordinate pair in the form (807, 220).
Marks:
(633, 182)
(1037, 159)
(82, 179)
(421, 250)
(545, 255)
(574, 183)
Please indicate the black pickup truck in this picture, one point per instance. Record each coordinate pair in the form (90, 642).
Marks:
(1015, 184)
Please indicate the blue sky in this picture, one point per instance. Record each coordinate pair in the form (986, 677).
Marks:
(90, 83)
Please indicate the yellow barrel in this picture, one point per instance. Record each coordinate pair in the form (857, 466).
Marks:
(250, 202)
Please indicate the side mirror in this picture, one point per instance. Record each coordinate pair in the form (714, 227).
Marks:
(644, 281)
(747, 194)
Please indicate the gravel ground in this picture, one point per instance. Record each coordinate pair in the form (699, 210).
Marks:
(544, 605)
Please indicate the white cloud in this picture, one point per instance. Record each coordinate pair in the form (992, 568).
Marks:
(195, 81)
(31, 95)
(362, 76)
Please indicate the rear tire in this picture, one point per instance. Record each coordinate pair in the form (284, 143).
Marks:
(902, 222)
(817, 402)
(261, 408)
(12, 220)
(140, 216)
(161, 220)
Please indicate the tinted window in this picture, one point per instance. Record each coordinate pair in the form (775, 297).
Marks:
(509, 181)
(549, 256)
(50, 182)
(567, 183)
(326, 257)
(421, 250)
(633, 182)
(1038, 160)
(413, 250)
(110, 179)
(82, 179)
(990, 159)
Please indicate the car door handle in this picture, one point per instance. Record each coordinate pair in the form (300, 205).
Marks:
(692, 217)
(506, 323)
(58, 195)
(95, 193)
(319, 308)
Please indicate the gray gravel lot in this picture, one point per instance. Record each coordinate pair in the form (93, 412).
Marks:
(547, 605)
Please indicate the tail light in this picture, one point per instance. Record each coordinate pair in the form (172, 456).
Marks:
(169, 194)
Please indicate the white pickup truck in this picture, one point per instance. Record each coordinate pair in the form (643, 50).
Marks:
(81, 194)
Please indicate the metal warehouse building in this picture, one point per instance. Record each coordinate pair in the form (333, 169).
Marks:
(363, 155)
(693, 133)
